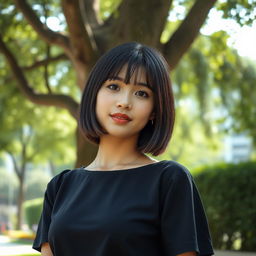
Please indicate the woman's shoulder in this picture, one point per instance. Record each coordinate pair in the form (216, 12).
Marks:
(174, 166)
(58, 177)
(173, 170)
(61, 178)
(63, 175)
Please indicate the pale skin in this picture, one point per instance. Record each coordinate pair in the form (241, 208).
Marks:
(134, 100)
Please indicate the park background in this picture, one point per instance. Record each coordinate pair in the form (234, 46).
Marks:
(47, 49)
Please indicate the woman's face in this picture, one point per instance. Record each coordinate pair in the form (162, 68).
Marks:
(136, 101)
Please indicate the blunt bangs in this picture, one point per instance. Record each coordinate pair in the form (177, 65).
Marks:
(153, 138)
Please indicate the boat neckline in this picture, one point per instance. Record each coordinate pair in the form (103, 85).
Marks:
(122, 170)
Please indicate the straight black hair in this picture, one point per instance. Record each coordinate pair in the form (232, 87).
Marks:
(155, 137)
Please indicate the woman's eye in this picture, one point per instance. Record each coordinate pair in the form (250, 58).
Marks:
(142, 94)
(112, 86)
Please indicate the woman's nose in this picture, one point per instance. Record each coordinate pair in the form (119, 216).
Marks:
(124, 101)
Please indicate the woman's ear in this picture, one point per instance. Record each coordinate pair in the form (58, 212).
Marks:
(152, 116)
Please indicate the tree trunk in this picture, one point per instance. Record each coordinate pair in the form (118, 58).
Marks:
(86, 151)
(20, 201)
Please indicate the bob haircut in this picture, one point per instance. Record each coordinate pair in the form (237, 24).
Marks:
(154, 137)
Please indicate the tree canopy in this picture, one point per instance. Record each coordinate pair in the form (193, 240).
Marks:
(50, 65)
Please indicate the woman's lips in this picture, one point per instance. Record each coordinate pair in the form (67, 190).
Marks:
(119, 120)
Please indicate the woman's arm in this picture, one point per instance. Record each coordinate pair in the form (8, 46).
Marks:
(188, 254)
(46, 250)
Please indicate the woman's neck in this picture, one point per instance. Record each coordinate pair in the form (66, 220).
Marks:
(117, 153)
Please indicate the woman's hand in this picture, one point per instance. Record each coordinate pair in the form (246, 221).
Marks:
(46, 250)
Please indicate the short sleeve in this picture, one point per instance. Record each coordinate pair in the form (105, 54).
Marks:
(184, 225)
(45, 219)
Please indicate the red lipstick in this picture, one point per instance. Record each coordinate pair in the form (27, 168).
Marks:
(120, 118)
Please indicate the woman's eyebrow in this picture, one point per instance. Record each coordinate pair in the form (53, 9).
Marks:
(122, 80)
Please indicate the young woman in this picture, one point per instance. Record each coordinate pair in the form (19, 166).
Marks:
(125, 203)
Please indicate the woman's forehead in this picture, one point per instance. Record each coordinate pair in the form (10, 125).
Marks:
(135, 75)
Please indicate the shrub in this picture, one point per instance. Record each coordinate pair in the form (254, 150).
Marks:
(228, 193)
(33, 209)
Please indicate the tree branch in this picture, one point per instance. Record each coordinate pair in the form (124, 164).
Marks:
(43, 31)
(46, 72)
(45, 61)
(57, 100)
(26, 140)
(15, 165)
(178, 44)
(89, 10)
(80, 35)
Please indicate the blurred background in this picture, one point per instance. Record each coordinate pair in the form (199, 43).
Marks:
(47, 49)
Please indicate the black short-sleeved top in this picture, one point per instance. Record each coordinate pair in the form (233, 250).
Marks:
(152, 210)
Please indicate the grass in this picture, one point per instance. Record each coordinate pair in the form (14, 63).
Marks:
(21, 241)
